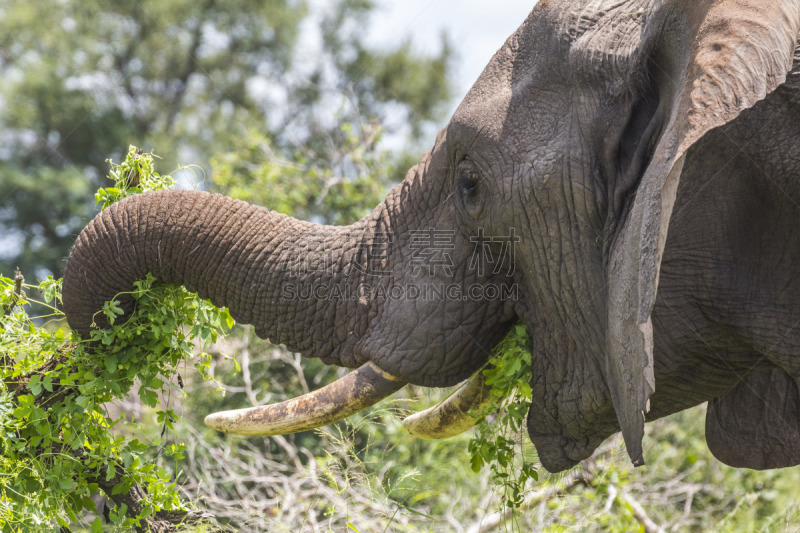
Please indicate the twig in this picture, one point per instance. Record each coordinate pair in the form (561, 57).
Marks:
(494, 520)
(18, 279)
(639, 512)
(5, 360)
(565, 484)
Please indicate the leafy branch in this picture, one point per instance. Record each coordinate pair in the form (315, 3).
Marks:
(57, 441)
(497, 442)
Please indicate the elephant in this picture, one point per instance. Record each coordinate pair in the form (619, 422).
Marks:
(624, 176)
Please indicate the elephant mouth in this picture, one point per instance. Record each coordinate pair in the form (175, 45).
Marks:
(354, 392)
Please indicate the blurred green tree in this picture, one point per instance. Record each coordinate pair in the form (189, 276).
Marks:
(83, 80)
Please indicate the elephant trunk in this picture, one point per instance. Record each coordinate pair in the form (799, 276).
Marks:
(262, 265)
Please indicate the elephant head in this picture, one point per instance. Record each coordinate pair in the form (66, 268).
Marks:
(563, 165)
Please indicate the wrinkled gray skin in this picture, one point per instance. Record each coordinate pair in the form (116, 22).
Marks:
(647, 156)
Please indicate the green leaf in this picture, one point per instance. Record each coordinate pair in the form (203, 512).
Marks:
(147, 510)
(112, 310)
(97, 526)
(83, 401)
(111, 471)
(148, 397)
(35, 385)
(111, 362)
(71, 514)
(88, 503)
(476, 461)
(228, 318)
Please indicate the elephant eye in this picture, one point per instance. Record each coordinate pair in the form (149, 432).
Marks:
(468, 183)
(469, 189)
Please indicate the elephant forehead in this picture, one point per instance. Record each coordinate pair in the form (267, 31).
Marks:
(516, 128)
(504, 85)
(480, 119)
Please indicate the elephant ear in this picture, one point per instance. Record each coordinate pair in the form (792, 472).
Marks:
(756, 424)
(707, 62)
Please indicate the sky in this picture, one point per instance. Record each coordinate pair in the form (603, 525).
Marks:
(477, 29)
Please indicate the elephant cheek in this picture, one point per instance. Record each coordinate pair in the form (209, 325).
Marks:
(562, 442)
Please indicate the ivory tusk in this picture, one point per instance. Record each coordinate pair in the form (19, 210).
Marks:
(451, 417)
(356, 391)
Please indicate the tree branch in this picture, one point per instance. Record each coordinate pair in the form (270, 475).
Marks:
(159, 522)
(640, 514)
